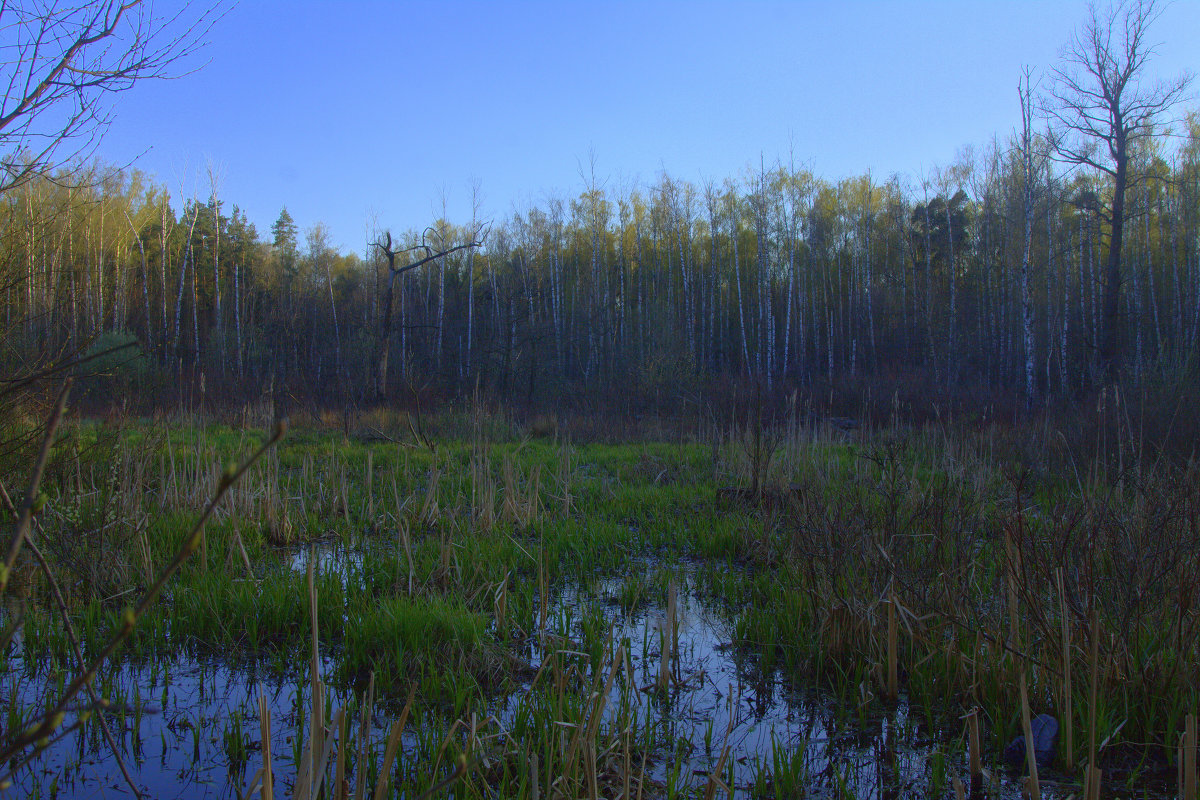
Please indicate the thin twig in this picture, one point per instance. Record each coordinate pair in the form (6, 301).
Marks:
(54, 716)
(78, 651)
(35, 479)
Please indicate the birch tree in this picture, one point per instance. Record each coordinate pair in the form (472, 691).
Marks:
(1028, 196)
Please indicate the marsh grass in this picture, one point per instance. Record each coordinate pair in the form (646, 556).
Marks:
(886, 568)
(966, 540)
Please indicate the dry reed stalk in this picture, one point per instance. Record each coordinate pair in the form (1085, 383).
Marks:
(668, 641)
(1035, 786)
(344, 484)
(304, 494)
(531, 508)
(1068, 713)
(1094, 669)
(389, 755)
(318, 706)
(406, 543)
(542, 599)
(320, 766)
(500, 603)
(1189, 758)
(534, 792)
(254, 786)
(162, 478)
(430, 509)
(303, 788)
(589, 757)
(642, 774)
(625, 776)
(564, 479)
(402, 539)
(447, 556)
(237, 539)
(586, 733)
(488, 502)
(893, 637)
(618, 661)
(973, 739)
(339, 774)
(271, 499)
(1014, 631)
(960, 792)
(144, 551)
(1179, 765)
(1010, 568)
(264, 724)
(437, 759)
(632, 677)
(1091, 789)
(371, 487)
(364, 732)
(508, 509)
(715, 777)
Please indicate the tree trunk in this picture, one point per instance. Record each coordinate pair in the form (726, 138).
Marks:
(1111, 335)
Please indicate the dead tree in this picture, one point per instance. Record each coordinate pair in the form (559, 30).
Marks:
(385, 246)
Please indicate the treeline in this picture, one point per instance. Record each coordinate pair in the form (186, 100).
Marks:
(647, 293)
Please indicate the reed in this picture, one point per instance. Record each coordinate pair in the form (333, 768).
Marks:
(893, 637)
(1068, 709)
(458, 594)
(1091, 777)
(974, 752)
(1189, 753)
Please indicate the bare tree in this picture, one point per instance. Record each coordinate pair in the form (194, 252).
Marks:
(384, 245)
(1100, 105)
(62, 63)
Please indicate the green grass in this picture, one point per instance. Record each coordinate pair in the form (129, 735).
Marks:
(448, 558)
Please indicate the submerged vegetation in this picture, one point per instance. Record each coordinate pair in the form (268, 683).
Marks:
(520, 606)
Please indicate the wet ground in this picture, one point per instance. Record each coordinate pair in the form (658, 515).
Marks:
(189, 727)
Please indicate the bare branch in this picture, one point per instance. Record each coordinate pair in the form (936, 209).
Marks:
(1099, 109)
(60, 64)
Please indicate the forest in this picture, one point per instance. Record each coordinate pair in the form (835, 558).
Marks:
(911, 287)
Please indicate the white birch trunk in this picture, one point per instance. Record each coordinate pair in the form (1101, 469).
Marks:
(1027, 198)
(737, 273)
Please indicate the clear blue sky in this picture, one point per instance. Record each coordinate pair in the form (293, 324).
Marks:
(347, 112)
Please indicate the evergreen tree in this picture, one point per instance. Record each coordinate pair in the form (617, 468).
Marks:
(284, 239)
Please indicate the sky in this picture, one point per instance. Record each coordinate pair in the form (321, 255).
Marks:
(377, 115)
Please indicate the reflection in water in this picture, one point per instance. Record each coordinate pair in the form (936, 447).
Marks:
(189, 727)
(782, 741)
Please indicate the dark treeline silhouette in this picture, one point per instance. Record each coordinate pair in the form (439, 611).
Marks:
(647, 294)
